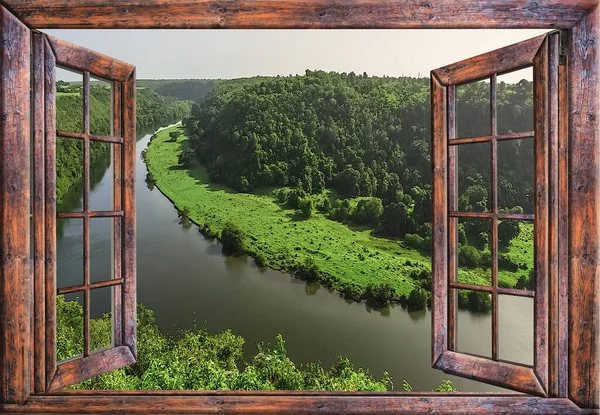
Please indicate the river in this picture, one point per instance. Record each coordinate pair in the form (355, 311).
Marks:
(184, 278)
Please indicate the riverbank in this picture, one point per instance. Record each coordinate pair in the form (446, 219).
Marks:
(347, 259)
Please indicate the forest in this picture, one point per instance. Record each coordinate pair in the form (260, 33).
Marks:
(152, 110)
(356, 149)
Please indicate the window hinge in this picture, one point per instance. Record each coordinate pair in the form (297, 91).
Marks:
(563, 47)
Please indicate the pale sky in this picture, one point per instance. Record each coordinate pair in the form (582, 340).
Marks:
(177, 54)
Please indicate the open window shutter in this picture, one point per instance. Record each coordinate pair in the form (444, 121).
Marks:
(541, 53)
(48, 53)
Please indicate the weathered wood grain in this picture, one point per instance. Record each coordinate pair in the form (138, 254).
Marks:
(180, 402)
(117, 310)
(39, 242)
(398, 14)
(128, 242)
(553, 235)
(15, 277)
(481, 66)
(541, 108)
(563, 230)
(502, 374)
(452, 222)
(439, 160)
(82, 59)
(584, 212)
(74, 371)
(50, 208)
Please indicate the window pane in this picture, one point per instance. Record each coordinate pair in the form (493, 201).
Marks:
(69, 326)
(514, 100)
(473, 115)
(515, 329)
(101, 318)
(69, 100)
(515, 255)
(473, 323)
(101, 249)
(69, 252)
(100, 107)
(474, 172)
(474, 251)
(101, 176)
(69, 174)
(515, 175)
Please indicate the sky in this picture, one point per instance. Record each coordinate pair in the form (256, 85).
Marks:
(211, 54)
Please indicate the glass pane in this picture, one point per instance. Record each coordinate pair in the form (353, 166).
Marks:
(101, 176)
(514, 99)
(474, 177)
(101, 318)
(515, 329)
(100, 107)
(69, 174)
(515, 255)
(69, 326)
(69, 252)
(101, 249)
(69, 100)
(473, 114)
(474, 251)
(515, 175)
(473, 323)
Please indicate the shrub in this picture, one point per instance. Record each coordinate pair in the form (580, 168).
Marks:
(475, 301)
(232, 239)
(306, 206)
(260, 260)
(368, 211)
(380, 295)
(187, 157)
(505, 262)
(413, 240)
(417, 300)
(469, 256)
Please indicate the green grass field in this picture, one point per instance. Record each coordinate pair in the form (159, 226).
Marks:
(345, 256)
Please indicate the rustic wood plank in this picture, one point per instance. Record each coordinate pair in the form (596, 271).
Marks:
(506, 375)
(86, 209)
(50, 209)
(495, 62)
(563, 229)
(494, 192)
(94, 214)
(452, 222)
(39, 242)
(117, 306)
(398, 14)
(77, 370)
(541, 211)
(15, 278)
(92, 286)
(584, 208)
(81, 59)
(128, 242)
(553, 235)
(439, 159)
(156, 402)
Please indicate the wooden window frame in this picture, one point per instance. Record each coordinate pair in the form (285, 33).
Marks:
(542, 55)
(579, 185)
(48, 53)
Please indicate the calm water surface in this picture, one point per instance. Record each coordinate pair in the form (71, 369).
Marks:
(184, 278)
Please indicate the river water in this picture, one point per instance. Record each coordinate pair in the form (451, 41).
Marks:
(184, 278)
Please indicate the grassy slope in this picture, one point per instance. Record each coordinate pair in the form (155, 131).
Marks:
(350, 255)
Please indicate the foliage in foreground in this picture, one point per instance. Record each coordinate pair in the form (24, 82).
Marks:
(198, 360)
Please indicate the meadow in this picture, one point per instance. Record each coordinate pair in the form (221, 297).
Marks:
(344, 257)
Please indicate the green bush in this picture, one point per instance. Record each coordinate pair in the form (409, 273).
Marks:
(417, 299)
(469, 256)
(413, 240)
(232, 239)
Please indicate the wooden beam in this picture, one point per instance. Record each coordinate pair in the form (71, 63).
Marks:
(15, 277)
(85, 60)
(584, 211)
(397, 14)
(481, 66)
(240, 402)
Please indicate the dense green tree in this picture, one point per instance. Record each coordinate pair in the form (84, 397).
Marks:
(232, 239)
